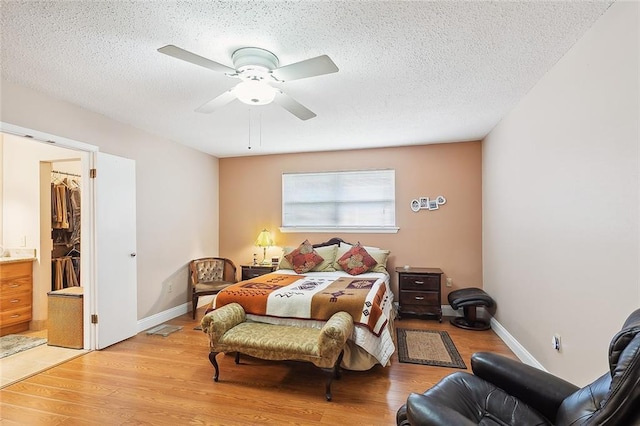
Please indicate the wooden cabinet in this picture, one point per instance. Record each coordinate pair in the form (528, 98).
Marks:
(420, 291)
(16, 295)
(252, 271)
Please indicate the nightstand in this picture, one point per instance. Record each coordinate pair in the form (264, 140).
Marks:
(252, 271)
(420, 291)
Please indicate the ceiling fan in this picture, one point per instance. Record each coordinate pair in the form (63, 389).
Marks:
(258, 68)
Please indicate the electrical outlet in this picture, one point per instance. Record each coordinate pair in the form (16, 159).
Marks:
(555, 341)
(23, 241)
(170, 288)
(449, 282)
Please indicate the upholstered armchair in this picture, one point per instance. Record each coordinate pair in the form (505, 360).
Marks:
(209, 275)
(503, 391)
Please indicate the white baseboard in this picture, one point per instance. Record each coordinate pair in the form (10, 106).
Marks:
(519, 350)
(160, 317)
(448, 311)
(169, 314)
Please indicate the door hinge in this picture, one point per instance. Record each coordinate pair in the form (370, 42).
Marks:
(92, 173)
(94, 318)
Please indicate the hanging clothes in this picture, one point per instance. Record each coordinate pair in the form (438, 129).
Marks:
(65, 212)
(74, 215)
(64, 273)
(60, 217)
(65, 233)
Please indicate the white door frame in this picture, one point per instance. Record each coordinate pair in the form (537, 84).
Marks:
(88, 261)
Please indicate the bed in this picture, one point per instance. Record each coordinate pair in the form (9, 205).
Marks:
(313, 282)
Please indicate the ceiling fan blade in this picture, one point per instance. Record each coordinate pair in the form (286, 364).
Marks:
(293, 106)
(308, 68)
(217, 102)
(185, 55)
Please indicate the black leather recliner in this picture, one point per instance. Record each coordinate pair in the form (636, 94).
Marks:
(503, 391)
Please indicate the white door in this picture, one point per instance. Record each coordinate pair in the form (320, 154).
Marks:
(115, 213)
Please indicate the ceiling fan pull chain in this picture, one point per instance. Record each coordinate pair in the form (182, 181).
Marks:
(260, 121)
(250, 127)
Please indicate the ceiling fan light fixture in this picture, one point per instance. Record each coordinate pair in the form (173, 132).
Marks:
(254, 92)
(252, 56)
(257, 68)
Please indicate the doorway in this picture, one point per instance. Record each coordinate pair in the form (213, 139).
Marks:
(26, 225)
(18, 220)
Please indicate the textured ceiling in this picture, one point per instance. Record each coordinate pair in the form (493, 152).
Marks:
(410, 72)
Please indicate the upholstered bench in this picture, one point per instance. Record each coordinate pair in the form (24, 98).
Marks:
(230, 331)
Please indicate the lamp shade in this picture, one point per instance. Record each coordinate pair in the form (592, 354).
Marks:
(255, 92)
(264, 239)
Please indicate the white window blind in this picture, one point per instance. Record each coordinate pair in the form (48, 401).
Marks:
(343, 201)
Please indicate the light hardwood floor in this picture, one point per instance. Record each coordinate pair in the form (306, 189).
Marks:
(24, 364)
(155, 380)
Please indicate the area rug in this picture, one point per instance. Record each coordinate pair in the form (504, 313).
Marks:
(14, 343)
(164, 330)
(428, 347)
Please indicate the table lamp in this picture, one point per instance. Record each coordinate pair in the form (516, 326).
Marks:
(264, 240)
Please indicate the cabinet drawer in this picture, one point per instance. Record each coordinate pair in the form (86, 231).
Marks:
(419, 282)
(15, 270)
(419, 298)
(247, 275)
(249, 272)
(15, 285)
(15, 316)
(15, 300)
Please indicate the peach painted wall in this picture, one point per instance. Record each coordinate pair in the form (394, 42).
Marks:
(449, 238)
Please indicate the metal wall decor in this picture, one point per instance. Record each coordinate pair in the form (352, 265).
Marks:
(425, 203)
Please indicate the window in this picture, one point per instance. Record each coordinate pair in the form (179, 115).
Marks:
(353, 201)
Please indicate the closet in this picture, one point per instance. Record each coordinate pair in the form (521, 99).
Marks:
(65, 230)
(64, 301)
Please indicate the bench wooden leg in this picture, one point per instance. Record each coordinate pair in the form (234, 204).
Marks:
(327, 390)
(212, 358)
(337, 366)
(331, 373)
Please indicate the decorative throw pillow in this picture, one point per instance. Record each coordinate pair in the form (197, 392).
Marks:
(304, 258)
(328, 253)
(357, 260)
(380, 256)
(342, 249)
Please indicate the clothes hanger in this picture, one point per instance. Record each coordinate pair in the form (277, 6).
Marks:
(72, 252)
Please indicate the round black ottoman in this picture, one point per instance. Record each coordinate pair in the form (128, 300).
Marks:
(469, 299)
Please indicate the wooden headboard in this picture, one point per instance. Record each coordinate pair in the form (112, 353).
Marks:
(332, 241)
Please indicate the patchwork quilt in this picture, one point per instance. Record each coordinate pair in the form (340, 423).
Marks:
(312, 297)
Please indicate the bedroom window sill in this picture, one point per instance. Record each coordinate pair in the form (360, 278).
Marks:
(346, 230)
